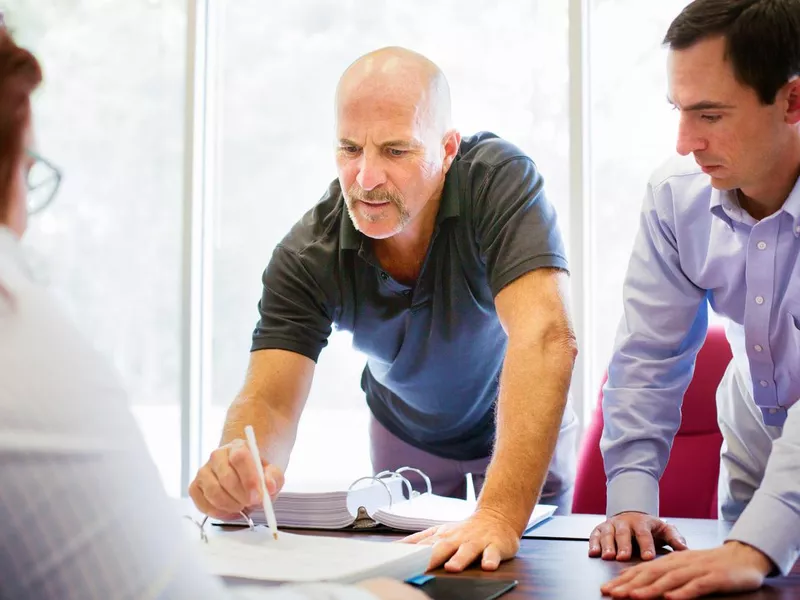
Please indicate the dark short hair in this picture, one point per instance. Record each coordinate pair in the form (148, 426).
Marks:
(762, 38)
(20, 74)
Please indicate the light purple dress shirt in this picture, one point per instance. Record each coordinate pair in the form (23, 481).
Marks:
(697, 247)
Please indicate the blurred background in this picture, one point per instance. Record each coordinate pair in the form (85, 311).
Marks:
(193, 133)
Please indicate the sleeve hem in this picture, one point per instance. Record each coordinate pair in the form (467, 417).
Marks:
(555, 261)
(276, 343)
(632, 491)
(771, 527)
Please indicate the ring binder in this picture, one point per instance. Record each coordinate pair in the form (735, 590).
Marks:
(366, 507)
(351, 506)
(412, 493)
(374, 478)
(420, 473)
(392, 475)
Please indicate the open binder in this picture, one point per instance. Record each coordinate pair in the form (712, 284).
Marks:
(386, 500)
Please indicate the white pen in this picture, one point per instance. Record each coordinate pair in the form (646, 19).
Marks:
(268, 512)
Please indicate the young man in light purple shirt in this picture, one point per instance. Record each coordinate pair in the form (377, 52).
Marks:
(720, 225)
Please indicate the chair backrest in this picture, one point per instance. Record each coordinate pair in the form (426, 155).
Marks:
(688, 487)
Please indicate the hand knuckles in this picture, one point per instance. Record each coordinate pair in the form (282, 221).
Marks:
(217, 496)
(473, 546)
(447, 545)
(235, 444)
(229, 480)
(219, 455)
(239, 459)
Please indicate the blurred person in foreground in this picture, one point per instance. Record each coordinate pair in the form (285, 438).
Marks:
(83, 512)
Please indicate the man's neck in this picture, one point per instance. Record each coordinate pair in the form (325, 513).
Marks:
(416, 234)
(768, 198)
(403, 253)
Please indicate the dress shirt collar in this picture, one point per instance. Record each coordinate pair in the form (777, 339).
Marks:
(724, 204)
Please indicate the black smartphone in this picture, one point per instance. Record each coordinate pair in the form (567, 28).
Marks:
(466, 588)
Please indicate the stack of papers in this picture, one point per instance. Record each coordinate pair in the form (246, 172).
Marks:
(429, 510)
(329, 506)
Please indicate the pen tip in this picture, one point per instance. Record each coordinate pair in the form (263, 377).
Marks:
(275, 535)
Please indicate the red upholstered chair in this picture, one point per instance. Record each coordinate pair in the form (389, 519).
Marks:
(689, 485)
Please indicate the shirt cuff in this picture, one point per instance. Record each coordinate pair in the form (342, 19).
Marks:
(771, 527)
(632, 491)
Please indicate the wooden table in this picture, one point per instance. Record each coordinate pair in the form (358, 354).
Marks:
(560, 569)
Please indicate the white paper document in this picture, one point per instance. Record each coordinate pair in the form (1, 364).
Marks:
(254, 554)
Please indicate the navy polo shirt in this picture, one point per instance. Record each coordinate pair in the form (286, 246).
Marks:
(435, 349)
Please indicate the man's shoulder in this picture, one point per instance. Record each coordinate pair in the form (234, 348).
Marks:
(488, 150)
(678, 184)
(317, 233)
(678, 173)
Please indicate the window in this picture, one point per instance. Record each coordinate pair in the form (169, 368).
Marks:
(279, 64)
(633, 132)
(110, 115)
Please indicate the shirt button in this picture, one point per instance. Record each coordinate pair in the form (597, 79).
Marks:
(759, 299)
(772, 411)
(761, 245)
(758, 348)
(763, 383)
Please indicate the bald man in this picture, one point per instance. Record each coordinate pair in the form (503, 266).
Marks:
(443, 258)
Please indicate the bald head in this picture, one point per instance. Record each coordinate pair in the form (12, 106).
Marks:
(397, 78)
(395, 145)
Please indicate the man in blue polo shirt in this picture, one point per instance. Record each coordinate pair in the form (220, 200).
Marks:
(443, 258)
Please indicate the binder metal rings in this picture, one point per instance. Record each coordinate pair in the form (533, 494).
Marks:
(411, 492)
(374, 478)
(421, 474)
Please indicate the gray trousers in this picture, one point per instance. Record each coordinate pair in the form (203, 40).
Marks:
(448, 476)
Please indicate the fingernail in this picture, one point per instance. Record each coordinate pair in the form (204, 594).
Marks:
(254, 497)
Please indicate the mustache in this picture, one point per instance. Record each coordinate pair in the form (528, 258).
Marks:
(357, 193)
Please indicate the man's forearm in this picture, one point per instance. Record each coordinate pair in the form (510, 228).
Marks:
(272, 399)
(533, 393)
(275, 432)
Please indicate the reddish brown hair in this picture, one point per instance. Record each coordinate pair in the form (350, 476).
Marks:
(20, 74)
